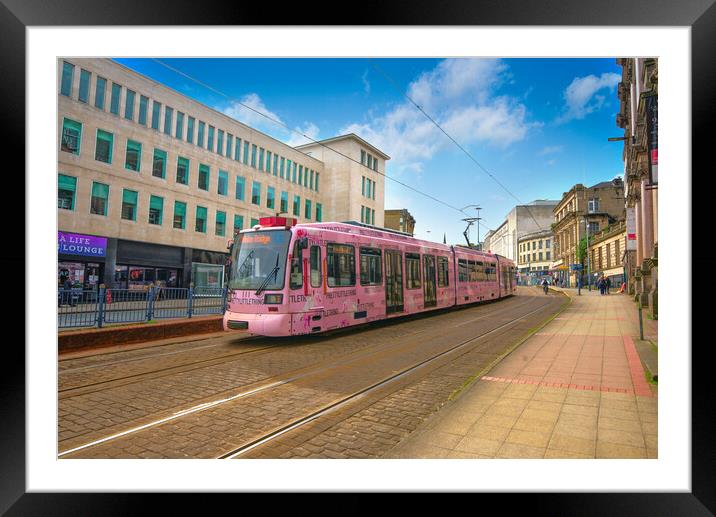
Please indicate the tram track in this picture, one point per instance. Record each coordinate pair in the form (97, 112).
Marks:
(93, 387)
(304, 375)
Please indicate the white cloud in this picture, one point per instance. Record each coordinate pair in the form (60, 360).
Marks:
(551, 149)
(459, 94)
(581, 96)
(246, 110)
(366, 84)
(309, 129)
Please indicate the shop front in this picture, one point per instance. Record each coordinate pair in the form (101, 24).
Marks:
(139, 265)
(80, 259)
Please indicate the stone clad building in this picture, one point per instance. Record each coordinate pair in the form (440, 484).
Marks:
(638, 116)
(152, 185)
(581, 212)
(523, 219)
(606, 250)
(534, 256)
(400, 220)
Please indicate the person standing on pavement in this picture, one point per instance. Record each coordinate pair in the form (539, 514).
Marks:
(608, 285)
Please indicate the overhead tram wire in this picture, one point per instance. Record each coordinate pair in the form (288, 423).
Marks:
(384, 74)
(218, 92)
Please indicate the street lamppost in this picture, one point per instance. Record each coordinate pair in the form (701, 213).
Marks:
(589, 271)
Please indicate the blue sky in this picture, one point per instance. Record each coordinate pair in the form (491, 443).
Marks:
(538, 125)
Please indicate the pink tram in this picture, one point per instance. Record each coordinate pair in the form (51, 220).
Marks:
(289, 278)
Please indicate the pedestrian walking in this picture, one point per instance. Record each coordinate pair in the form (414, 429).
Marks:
(609, 285)
(601, 285)
(545, 285)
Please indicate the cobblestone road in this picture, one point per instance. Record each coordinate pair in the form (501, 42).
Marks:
(122, 392)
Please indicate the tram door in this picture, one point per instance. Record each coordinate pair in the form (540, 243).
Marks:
(429, 293)
(393, 282)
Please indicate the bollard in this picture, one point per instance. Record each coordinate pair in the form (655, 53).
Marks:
(190, 300)
(641, 324)
(100, 306)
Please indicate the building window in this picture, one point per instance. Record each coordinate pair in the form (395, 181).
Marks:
(66, 189)
(443, 280)
(190, 130)
(253, 155)
(240, 186)
(200, 135)
(133, 158)
(100, 198)
(261, 159)
(220, 229)
(370, 266)
(99, 92)
(220, 142)
(71, 133)
(254, 222)
(210, 141)
(275, 165)
(183, 170)
(103, 146)
(362, 157)
(340, 265)
(370, 161)
(143, 102)
(179, 215)
(283, 163)
(159, 164)
(256, 193)
(223, 184)
(300, 174)
(83, 95)
(319, 212)
(307, 211)
(546, 243)
(246, 153)
(593, 205)
(204, 176)
(297, 206)
(270, 197)
(237, 149)
(168, 116)
(284, 203)
(156, 111)
(238, 223)
(68, 72)
(593, 228)
(412, 269)
(179, 130)
(114, 101)
(200, 219)
(129, 205)
(316, 182)
(156, 207)
(229, 144)
(129, 105)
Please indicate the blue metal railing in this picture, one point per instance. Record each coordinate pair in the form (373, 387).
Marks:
(94, 308)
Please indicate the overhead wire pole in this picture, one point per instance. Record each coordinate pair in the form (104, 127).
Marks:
(278, 122)
(384, 74)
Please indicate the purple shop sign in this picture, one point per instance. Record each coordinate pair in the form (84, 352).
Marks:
(75, 244)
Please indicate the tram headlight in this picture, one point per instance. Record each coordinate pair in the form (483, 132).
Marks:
(273, 299)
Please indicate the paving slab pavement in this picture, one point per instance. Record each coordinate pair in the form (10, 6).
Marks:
(574, 389)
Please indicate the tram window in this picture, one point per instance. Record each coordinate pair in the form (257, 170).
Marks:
(480, 271)
(296, 267)
(370, 267)
(315, 266)
(471, 271)
(462, 270)
(340, 265)
(412, 271)
(443, 280)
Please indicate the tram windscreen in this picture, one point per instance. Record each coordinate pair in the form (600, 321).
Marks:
(258, 260)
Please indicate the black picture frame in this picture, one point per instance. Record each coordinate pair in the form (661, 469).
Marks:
(700, 15)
